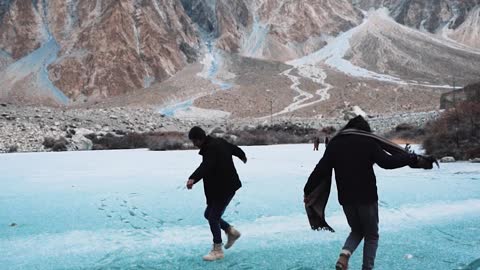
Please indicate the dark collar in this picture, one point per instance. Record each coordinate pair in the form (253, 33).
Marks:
(205, 145)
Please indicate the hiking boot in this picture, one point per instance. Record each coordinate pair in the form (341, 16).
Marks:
(342, 263)
(215, 254)
(232, 236)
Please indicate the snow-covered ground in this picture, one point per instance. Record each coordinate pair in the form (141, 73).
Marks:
(130, 210)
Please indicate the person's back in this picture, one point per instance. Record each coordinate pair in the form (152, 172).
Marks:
(352, 158)
(222, 178)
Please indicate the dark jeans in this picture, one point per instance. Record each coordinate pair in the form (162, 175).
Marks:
(213, 213)
(363, 221)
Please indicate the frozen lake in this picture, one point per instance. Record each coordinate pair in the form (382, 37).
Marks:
(130, 210)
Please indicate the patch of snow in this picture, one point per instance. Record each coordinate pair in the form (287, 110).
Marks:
(195, 113)
(173, 109)
(148, 80)
(254, 43)
(37, 63)
(136, 36)
(358, 111)
(212, 62)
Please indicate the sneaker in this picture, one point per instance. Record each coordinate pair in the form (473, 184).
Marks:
(342, 263)
(215, 254)
(232, 236)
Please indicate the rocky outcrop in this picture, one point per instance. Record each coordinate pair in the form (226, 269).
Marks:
(298, 28)
(271, 29)
(202, 12)
(234, 19)
(469, 32)
(132, 45)
(429, 15)
(95, 49)
(21, 27)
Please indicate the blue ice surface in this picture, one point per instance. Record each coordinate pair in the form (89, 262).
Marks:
(130, 210)
(170, 111)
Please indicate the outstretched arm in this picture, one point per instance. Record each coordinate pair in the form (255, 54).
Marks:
(238, 152)
(395, 161)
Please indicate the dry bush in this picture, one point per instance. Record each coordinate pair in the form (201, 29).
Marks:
(275, 134)
(111, 141)
(406, 132)
(167, 141)
(456, 133)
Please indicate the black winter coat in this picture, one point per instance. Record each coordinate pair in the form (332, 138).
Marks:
(352, 157)
(220, 178)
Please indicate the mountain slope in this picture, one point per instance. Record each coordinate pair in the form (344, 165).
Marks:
(383, 46)
(469, 32)
(93, 48)
(427, 15)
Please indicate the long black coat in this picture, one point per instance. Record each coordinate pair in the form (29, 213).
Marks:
(352, 157)
(220, 178)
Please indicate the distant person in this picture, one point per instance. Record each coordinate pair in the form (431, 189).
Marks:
(352, 157)
(326, 140)
(220, 182)
(316, 143)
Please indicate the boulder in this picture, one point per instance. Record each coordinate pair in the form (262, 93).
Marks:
(447, 159)
(80, 142)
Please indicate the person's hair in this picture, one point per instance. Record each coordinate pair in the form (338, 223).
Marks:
(196, 133)
(359, 123)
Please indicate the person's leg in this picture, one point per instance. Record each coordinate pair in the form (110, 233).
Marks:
(353, 239)
(369, 216)
(214, 216)
(356, 234)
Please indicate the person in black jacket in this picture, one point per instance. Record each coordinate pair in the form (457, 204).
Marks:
(220, 182)
(352, 157)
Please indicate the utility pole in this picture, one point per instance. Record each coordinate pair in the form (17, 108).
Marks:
(271, 111)
(271, 106)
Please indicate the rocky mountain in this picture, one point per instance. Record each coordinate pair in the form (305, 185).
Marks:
(271, 29)
(309, 58)
(68, 51)
(429, 15)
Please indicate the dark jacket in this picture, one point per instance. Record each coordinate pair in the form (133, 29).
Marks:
(220, 178)
(352, 157)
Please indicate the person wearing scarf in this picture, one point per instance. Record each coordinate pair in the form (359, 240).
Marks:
(352, 154)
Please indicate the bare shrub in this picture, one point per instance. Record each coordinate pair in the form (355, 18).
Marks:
(167, 141)
(407, 132)
(12, 149)
(456, 133)
(48, 142)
